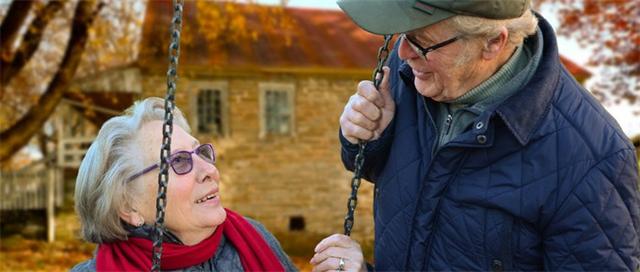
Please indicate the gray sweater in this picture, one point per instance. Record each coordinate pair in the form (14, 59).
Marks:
(226, 257)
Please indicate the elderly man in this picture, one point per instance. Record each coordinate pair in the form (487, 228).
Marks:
(485, 153)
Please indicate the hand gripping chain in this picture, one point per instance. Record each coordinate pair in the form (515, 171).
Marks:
(383, 54)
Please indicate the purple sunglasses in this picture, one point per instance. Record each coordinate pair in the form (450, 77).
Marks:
(181, 161)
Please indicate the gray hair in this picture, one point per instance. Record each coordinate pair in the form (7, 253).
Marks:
(519, 28)
(114, 156)
(470, 26)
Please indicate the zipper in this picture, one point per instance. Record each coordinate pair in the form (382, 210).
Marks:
(433, 124)
(445, 130)
(436, 216)
(447, 124)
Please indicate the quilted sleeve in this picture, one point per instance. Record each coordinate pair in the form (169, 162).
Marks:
(375, 154)
(596, 227)
(377, 151)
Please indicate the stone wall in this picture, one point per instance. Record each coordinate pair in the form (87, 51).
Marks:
(274, 178)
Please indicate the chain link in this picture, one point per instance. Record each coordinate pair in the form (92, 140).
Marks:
(383, 54)
(167, 130)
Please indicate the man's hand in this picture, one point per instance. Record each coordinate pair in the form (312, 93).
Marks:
(368, 111)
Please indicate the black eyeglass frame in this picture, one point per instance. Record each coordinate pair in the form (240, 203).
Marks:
(424, 51)
(175, 155)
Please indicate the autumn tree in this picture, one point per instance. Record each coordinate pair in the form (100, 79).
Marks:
(39, 71)
(227, 23)
(217, 26)
(610, 28)
(44, 45)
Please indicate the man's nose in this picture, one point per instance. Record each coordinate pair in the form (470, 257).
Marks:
(405, 51)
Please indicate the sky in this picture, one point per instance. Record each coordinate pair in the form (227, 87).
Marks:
(567, 47)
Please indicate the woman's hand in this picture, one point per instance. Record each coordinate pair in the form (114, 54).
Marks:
(338, 252)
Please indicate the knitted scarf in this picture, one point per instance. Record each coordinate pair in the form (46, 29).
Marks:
(135, 253)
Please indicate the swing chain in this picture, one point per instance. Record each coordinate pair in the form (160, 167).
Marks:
(167, 130)
(383, 54)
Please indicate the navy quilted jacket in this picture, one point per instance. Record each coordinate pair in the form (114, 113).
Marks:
(545, 181)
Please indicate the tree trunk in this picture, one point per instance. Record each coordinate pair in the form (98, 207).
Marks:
(18, 135)
(12, 65)
(16, 15)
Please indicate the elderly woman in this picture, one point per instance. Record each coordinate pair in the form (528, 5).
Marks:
(115, 198)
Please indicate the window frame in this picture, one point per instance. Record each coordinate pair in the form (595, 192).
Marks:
(289, 89)
(198, 87)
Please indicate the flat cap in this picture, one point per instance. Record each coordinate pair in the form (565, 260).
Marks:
(398, 16)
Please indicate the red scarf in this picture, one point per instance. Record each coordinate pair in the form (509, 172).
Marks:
(135, 253)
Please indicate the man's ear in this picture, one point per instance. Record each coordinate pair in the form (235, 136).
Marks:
(495, 45)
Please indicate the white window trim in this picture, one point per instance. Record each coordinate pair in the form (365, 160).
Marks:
(263, 87)
(196, 87)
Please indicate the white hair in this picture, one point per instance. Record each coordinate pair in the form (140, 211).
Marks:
(470, 27)
(519, 28)
(114, 156)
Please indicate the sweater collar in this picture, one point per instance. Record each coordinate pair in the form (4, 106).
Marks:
(492, 87)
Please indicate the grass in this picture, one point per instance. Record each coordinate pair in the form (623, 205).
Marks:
(18, 253)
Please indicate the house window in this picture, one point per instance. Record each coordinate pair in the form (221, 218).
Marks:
(210, 112)
(277, 109)
(296, 223)
(277, 112)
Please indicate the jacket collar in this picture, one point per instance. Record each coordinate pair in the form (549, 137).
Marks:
(523, 112)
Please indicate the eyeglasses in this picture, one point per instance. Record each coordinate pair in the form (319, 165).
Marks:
(182, 162)
(424, 51)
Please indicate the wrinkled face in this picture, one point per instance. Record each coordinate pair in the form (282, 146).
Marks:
(186, 212)
(447, 71)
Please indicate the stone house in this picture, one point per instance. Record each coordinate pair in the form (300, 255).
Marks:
(271, 111)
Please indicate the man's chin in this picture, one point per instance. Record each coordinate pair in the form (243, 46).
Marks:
(425, 88)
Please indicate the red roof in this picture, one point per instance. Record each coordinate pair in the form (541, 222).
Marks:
(317, 39)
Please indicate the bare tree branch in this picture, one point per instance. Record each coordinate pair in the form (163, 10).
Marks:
(30, 41)
(15, 18)
(19, 133)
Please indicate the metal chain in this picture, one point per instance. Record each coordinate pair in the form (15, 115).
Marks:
(167, 130)
(383, 54)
